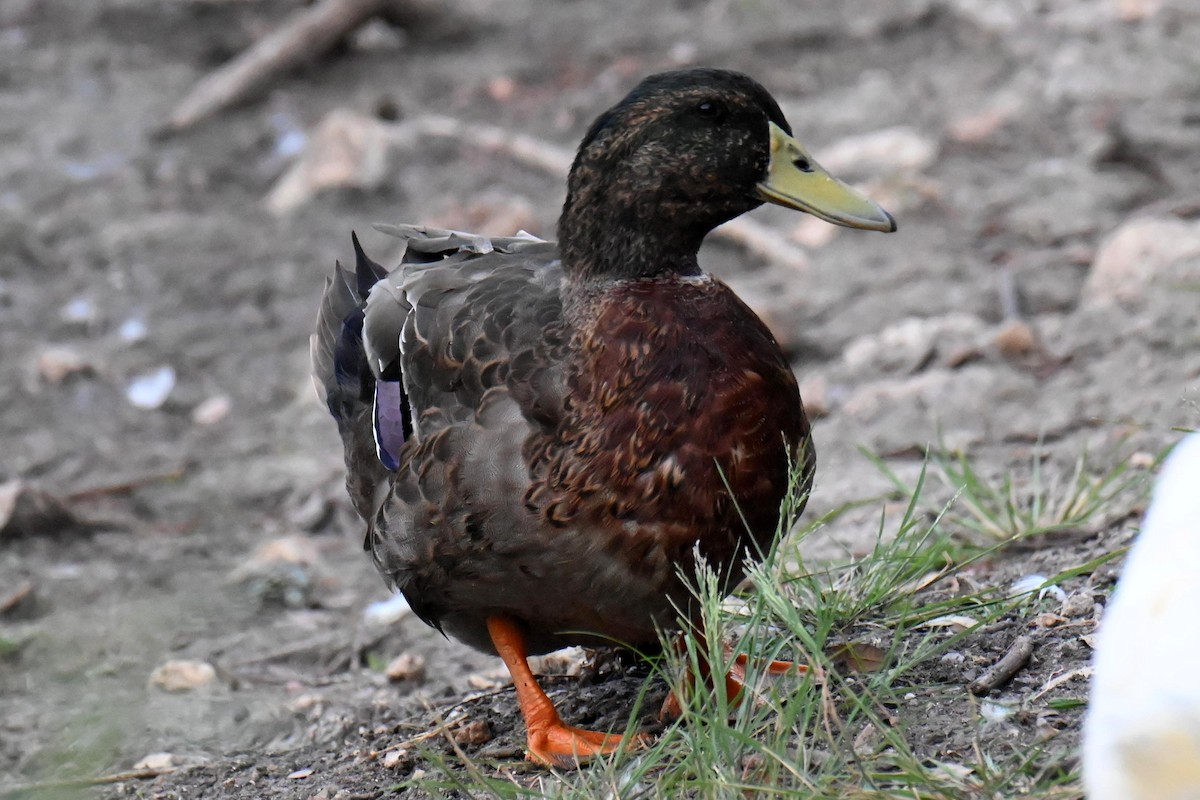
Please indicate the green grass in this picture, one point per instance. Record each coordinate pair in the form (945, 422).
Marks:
(1034, 502)
(864, 628)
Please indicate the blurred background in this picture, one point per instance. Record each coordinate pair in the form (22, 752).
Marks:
(179, 568)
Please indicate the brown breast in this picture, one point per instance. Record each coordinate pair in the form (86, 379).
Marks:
(682, 411)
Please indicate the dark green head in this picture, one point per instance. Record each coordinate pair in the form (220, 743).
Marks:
(680, 154)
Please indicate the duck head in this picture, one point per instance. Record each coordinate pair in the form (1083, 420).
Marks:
(682, 153)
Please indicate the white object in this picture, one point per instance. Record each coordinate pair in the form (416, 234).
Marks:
(387, 612)
(152, 389)
(1142, 733)
(1029, 584)
(133, 330)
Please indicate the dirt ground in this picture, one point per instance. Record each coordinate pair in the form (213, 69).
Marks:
(1040, 296)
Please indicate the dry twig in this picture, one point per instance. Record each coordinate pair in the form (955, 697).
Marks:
(307, 35)
(1002, 671)
(126, 486)
(31, 789)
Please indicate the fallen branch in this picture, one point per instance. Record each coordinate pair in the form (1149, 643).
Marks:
(1002, 671)
(32, 789)
(126, 486)
(308, 35)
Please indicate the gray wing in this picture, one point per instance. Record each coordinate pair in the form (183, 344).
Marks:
(468, 331)
(464, 315)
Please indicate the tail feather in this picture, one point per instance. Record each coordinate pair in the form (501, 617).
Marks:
(344, 380)
(367, 272)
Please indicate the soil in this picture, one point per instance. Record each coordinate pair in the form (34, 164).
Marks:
(1014, 140)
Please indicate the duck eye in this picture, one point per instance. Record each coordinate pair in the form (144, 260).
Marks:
(708, 110)
(803, 164)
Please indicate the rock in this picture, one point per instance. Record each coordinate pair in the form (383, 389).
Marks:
(486, 681)
(276, 584)
(1015, 338)
(406, 667)
(1078, 604)
(156, 761)
(898, 149)
(278, 572)
(182, 675)
(56, 364)
(568, 661)
(212, 410)
(151, 389)
(347, 150)
(473, 732)
(980, 127)
(814, 391)
(1142, 252)
(290, 550)
(28, 511)
(913, 343)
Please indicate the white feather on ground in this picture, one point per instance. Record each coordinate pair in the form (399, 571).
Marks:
(1142, 733)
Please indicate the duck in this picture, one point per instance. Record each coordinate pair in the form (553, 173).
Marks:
(545, 438)
(1141, 734)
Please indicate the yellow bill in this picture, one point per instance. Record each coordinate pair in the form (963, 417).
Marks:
(796, 180)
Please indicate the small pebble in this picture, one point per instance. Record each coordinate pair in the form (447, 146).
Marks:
(406, 667)
(156, 761)
(133, 330)
(486, 681)
(56, 364)
(475, 732)
(1079, 604)
(1015, 338)
(212, 410)
(81, 309)
(301, 774)
(568, 661)
(182, 675)
(150, 390)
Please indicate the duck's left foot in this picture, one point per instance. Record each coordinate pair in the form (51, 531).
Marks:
(557, 744)
(549, 740)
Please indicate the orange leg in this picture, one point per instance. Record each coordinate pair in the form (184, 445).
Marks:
(735, 679)
(549, 740)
